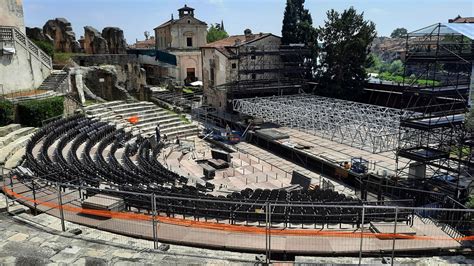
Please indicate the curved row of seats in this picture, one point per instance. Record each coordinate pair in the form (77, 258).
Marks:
(86, 152)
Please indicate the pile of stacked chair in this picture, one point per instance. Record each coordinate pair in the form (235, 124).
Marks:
(83, 151)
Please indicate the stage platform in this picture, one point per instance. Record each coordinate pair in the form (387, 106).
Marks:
(336, 153)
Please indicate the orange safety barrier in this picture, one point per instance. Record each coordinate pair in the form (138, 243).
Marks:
(133, 119)
(228, 227)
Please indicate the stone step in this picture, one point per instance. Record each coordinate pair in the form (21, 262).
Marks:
(159, 120)
(15, 135)
(8, 128)
(163, 124)
(16, 158)
(130, 105)
(10, 149)
(184, 134)
(181, 127)
(101, 105)
(122, 107)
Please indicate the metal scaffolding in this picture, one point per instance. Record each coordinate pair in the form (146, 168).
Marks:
(368, 127)
(438, 66)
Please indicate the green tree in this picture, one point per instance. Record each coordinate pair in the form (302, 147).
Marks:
(399, 33)
(345, 54)
(297, 24)
(376, 63)
(216, 32)
(396, 67)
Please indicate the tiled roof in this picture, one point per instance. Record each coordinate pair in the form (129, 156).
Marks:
(231, 40)
(462, 20)
(144, 44)
(173, 21)
(166, 23)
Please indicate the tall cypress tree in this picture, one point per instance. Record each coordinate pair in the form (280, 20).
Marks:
(297, 24)
(288, 30)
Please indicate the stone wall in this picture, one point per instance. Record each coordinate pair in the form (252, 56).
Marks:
(105, 59)
(11, 14)
(21, 71)
(111, 77)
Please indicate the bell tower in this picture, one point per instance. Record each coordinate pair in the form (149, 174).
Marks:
(186, 11)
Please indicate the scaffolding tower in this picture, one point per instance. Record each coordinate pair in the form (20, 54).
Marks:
(267, 70)
(433, 137)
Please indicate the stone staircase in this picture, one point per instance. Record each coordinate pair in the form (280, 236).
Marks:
(50, 87)
(13, 139)
(149, 116)
(54, 81)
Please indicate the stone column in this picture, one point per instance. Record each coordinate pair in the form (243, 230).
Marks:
(80, 87)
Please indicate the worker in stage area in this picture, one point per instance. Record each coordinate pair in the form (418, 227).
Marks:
(165, 138)
(347, 165)
(157, 131)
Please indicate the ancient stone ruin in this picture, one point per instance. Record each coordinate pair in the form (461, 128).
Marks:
(64, 38)
(94, 43)
(115, 40)
(38, 35)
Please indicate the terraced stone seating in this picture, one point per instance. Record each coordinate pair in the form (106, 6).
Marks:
(86, 152)
(149, 116)
(13, 139)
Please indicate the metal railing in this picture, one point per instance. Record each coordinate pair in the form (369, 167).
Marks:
(13, 35)
(331, 228)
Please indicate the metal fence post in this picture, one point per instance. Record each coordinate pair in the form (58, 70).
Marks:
(34, 196)
(61, 211)
(4, 187)
(394, 233)
(153, 221)
(361, 234)
(267, 233)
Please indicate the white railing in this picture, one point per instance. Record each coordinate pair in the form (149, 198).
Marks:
(10, 34)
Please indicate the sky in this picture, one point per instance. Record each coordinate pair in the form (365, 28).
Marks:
(137, 16)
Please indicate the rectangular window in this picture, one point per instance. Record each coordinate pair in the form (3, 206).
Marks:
(252, 57)
(234, 65)
(254, 76)
(189, 41)
(211, 77)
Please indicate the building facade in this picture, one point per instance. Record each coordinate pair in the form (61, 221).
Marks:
(235, 61)
(23, 66)
(183, 37)
(11, 14)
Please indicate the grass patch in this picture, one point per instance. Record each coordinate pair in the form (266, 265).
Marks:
(63, 58)
(181, 117)
(408, 80)
(187, 90)
(184, 119)
(90, 102)
(455, 152)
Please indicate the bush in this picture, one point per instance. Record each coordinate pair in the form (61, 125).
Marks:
(32, 113)
(45, 46)
(6, 112)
